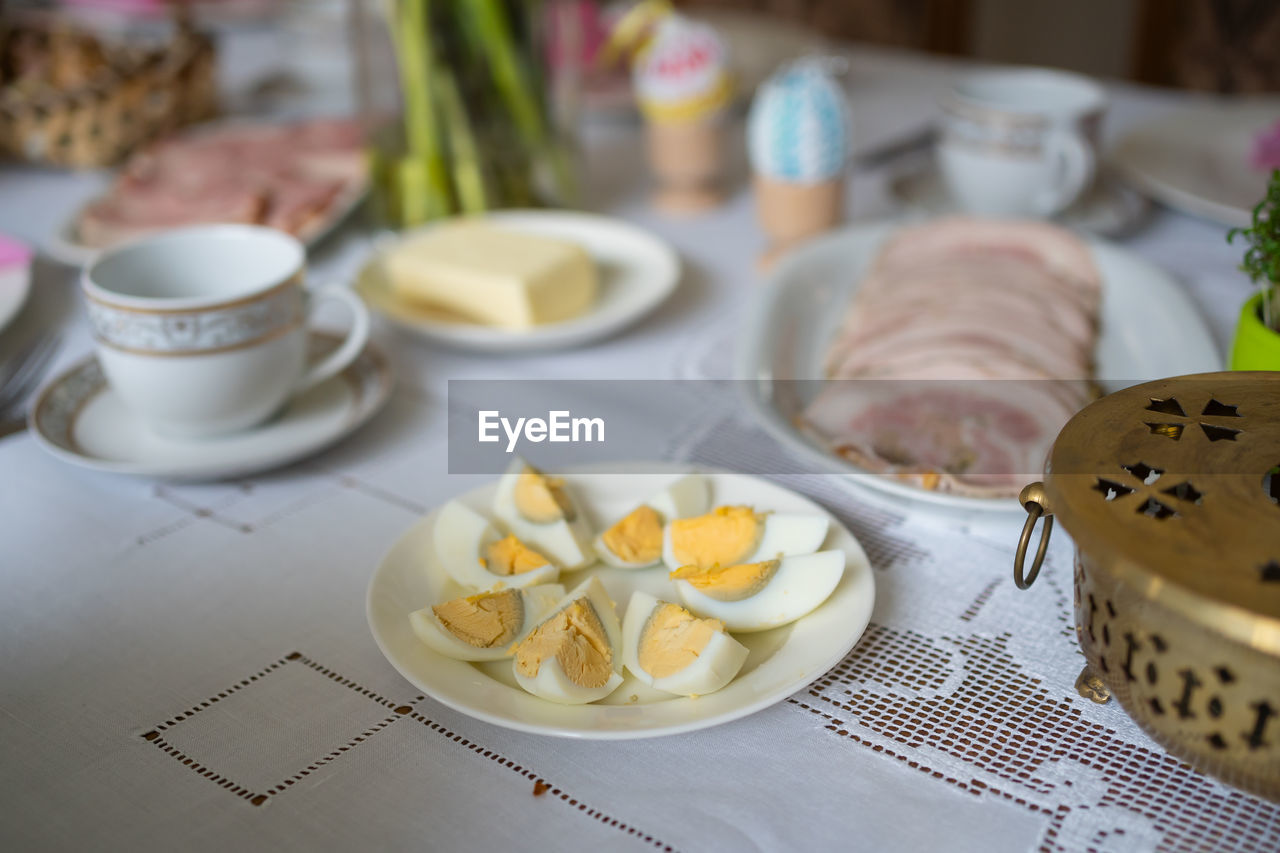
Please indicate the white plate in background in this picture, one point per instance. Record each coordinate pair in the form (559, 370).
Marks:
(1150, 329)
(637, 274)
(782, 660)
(1197, 160)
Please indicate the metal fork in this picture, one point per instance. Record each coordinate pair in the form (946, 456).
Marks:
(19, 376)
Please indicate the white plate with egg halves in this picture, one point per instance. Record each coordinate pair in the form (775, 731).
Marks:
(780, 661)
(637, 272)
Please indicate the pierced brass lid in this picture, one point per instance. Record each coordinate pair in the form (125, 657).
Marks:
(1170, 484)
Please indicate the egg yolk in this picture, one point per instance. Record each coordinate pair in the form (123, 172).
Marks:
(730, 583)
(542, 499)
(637, 538)
(725, 536)
(672, 638)
(486, 621)
(510, 556)
(576, 639)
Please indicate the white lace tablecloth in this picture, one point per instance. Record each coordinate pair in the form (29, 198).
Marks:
(188, 667)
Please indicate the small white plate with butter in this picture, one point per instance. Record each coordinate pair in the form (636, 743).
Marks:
(780, 662)
(635, 273)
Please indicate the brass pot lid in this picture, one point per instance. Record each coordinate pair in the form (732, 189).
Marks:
(1169, 484)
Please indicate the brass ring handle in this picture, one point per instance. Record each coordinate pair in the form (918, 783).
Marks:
(1032, 498)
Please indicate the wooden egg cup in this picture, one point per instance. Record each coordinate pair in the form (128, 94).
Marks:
(688, 163)
(791, 212)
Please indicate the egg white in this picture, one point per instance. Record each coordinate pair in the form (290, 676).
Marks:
(551, 683)
(685, 497)
(784, 535)
(565, 543)
(798, 586)
(537, 601)
(715, 666)
(461, 535)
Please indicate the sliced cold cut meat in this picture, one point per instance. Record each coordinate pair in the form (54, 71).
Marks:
(287, 176)
(968, 345)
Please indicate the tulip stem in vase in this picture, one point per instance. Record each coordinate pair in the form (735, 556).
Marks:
(474, 131)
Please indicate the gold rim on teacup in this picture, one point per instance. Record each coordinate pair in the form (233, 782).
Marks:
(201, 331)
(1020, 141)
(1015, 126)
(148, 324)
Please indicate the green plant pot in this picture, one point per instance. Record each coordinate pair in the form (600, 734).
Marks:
(1257, 347)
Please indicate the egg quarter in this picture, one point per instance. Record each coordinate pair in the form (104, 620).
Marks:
(795, 587)
(476, 555)
(485, 626)
(541, 511)
(635, 541)
(573, 655)
(729, 583)
(669, 648)
(738, 534)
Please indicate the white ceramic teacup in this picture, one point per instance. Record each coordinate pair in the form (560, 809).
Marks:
(1020, 142)
(203, 330)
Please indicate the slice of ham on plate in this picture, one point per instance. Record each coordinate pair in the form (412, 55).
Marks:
(140, 211)
(328, 135)
(977, 438)
(299, 204)
(945, 368)
(946, 413)
(1059, 251)
(303, 178)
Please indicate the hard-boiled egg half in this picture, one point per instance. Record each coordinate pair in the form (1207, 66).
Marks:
(759, 595)
(573, 656)
(539, 510)
(476, 555)
(730, 535)
(667, 647)
(635, 540)
(485, 626)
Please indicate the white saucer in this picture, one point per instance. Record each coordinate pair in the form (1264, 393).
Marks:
(781, 661)
(1110, 209)
(78, 418)
(15, 284)
(637, 273)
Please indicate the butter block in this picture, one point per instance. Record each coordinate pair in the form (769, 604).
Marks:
(499, 277)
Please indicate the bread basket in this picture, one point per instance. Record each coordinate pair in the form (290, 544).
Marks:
(68, 98)
(1171, 493)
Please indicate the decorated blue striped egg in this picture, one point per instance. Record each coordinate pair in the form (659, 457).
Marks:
(798, 129)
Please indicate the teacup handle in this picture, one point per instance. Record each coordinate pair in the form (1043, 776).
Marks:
(1076, 165)
(337, 361)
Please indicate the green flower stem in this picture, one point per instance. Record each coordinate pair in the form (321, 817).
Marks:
(423, 180)
(492, 34)
(468, 174)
